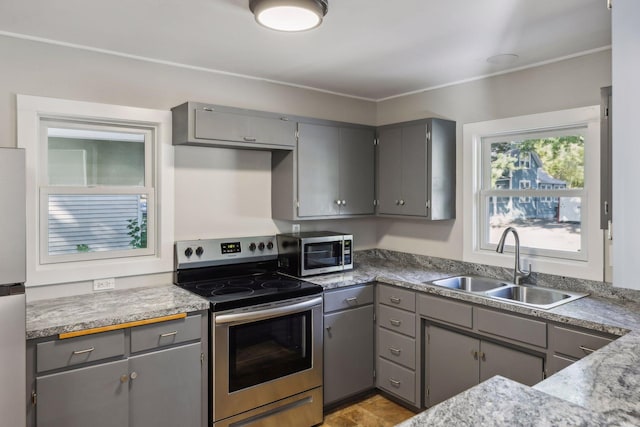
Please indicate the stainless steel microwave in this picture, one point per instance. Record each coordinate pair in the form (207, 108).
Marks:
(314, 252)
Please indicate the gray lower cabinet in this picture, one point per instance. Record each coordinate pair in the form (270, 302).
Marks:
(335, 170)
(397, 346)
(567, 345)
(164, 389)
(456, 362)
(348, 343)
(150, 375)
(96, 396)
(417, 169)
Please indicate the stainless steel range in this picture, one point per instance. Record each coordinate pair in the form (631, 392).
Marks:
(265, 332)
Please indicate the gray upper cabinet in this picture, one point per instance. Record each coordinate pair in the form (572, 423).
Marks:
(218, 126)
(417, 169)
(331, 174)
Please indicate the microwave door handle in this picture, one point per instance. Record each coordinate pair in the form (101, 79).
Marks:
(238, 318)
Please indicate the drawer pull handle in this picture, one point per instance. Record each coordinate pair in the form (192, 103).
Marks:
(168, 334)
(352, 300)
(88, 350)
(587, 349)
(395, 322)
(395, 300)
(395, 383)
(249, 138)
(395, 351)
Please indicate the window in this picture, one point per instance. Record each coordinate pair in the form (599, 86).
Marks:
(550, 161)
(98, 190)
(99, 174)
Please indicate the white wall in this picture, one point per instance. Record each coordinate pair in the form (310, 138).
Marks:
(626, 147)
(567, 84)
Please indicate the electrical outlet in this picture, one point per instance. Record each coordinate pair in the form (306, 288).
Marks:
(295, 228)
(104, 284)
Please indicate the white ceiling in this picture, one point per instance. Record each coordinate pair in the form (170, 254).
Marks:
(372, 49)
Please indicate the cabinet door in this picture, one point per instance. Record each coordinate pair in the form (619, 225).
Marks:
(96, 396)
(356, 171)
(348, 353)
(452, 364)
(318, 170)
(243, 127)
(165, 388)
(390, 171)
(522, 367)
(414, 170)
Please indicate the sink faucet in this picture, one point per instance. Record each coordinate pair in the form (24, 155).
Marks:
(518, 274)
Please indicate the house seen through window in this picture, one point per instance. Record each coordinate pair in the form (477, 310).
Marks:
(535, 182)
(97, 190)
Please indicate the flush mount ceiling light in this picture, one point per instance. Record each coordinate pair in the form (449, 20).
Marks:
(289, 15)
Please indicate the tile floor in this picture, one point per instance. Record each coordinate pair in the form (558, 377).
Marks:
(374, 411)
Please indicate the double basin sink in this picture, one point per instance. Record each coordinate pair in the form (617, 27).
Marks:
(531, 296)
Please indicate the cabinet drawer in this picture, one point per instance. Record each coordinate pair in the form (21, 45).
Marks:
(558, 363)
(397, 320)
(448, 311)
(397, 348)
(397, 380)
(396, 297)
(74, 351)
(341, 299)
(574, 343)
(165, 333)
(513, 327)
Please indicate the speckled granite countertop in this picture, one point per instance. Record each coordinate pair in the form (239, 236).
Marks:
(58, 315)
(601, 389)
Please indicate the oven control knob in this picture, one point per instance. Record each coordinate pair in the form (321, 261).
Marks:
(252, 247)
(199, 251)
(261, 246)
(188, 252)
(270, 245)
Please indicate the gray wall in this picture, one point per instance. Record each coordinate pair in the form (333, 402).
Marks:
(226, 192)
(567, 84)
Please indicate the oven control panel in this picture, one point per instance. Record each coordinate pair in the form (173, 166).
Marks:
(210, 252)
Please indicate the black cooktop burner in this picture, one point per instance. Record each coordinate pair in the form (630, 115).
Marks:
(243, 285)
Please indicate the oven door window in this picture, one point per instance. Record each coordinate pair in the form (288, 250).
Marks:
(269, 349)
(321, 255)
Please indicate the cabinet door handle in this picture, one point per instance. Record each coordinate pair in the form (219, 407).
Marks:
(401, 202)
(124, 378)
(249, 138)
(474, 353)
(168, 334)
(395, 322)
(397, 202)
(483, 356)
(344, 203)
(395, 351)
(351, 300)
(586, 349)
(338, 202)
(395, 300)
(395, 383)
(134, 375)
(88, 350)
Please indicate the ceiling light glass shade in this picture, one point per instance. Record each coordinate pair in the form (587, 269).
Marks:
(289, 15)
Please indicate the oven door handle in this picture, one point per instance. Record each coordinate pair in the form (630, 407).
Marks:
(266, 314)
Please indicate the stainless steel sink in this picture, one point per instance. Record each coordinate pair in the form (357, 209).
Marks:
(531, 296)
(537, 297)
(470, 283)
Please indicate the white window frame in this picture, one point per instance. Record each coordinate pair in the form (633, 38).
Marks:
(524, 160)
(588, 263)
(44, 270)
